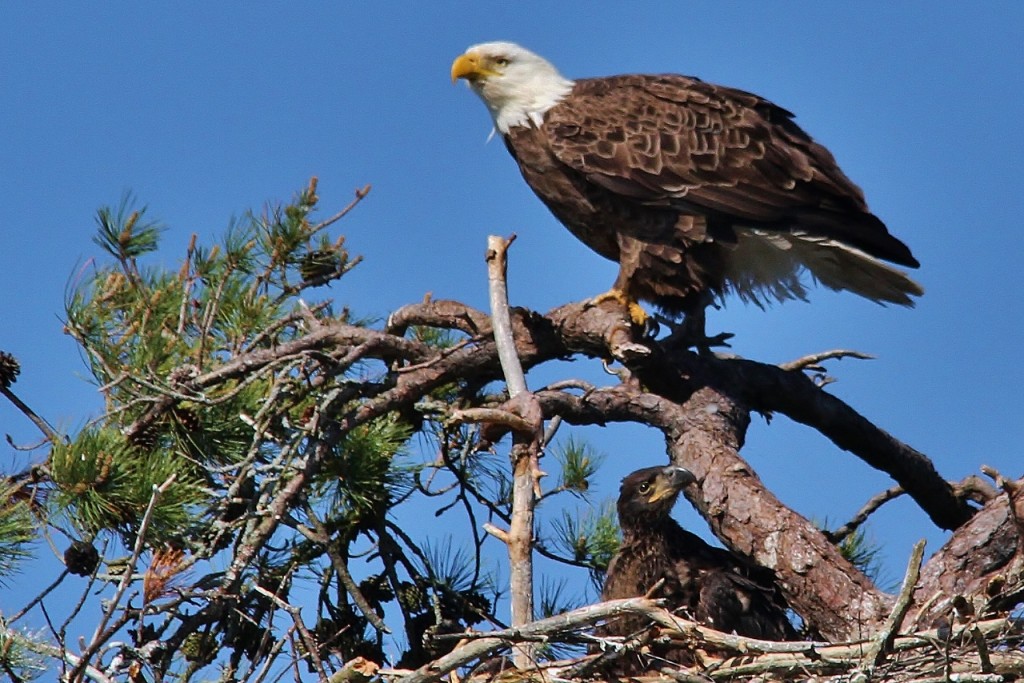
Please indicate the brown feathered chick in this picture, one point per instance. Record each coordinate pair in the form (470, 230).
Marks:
(711, 585)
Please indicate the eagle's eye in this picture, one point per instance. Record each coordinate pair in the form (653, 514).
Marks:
(645, 487)
(501, 61)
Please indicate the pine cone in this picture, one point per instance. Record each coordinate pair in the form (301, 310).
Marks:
(321, 263)
(187, 418)
(9, 370)
(476, 606)
(376, 589)
(239, 505)
(146, 437)
(199, 647)
(81, 558)
(411, 596)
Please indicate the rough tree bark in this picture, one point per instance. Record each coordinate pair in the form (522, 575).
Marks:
(981, 567)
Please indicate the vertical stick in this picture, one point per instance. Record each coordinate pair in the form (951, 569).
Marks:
(520, 534)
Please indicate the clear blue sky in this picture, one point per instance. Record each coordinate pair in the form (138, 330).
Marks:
(206, 109)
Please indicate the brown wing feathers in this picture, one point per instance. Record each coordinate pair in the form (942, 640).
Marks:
(680, 142)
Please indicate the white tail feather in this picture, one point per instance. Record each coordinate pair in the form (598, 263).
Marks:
(766, 266)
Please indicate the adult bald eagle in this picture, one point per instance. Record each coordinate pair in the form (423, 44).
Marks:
(694, 189)
(708, 584)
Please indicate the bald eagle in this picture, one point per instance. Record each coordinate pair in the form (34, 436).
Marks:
(696, 190)
(708, 584)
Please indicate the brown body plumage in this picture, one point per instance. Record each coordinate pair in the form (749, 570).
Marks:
(693, 188)
(701, 582)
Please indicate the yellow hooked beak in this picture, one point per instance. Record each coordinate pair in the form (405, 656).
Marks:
(669, 482)
(470, 67)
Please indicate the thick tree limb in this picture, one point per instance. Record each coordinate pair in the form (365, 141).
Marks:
(676, 373)
(982, 562)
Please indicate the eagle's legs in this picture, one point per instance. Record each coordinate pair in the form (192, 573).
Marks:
(637, 315)
(692, 332)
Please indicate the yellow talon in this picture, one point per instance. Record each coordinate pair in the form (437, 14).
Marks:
(637, 315)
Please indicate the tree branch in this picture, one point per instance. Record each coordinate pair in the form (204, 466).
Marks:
(862, 515)
(882, 641)
(525, 444)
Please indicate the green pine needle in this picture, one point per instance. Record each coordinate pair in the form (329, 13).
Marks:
(579, 462)
(105, 484)
(17, 657)
(16, 530)
(589, 537)
(124, 232)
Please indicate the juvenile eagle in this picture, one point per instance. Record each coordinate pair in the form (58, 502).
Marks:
(695, 189)
(707, 584)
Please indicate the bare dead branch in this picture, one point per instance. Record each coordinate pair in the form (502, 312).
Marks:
(504, 336)
(495, 416)
(541, 629)
(862, 515)
(811, 361)
(49, 432)
(882, 641)
(525, 445)
(308, 640)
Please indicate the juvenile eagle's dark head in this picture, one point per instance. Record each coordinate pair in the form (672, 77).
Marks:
(648, 495)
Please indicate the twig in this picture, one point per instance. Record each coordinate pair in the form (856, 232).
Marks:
(36, 600)
(322, 537)
(49, 432)
(862, 515)
(497, 416)
(360, 195)
(312, 647)
(882, 642)
(811, 361)
(497, 640)
(979, 641)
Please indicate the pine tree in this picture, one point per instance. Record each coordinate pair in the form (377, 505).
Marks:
(238, 509)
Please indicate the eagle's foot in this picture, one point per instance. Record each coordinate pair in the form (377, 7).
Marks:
(637, 315)
(691, 334)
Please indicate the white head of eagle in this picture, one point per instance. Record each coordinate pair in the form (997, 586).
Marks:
(515, 84)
